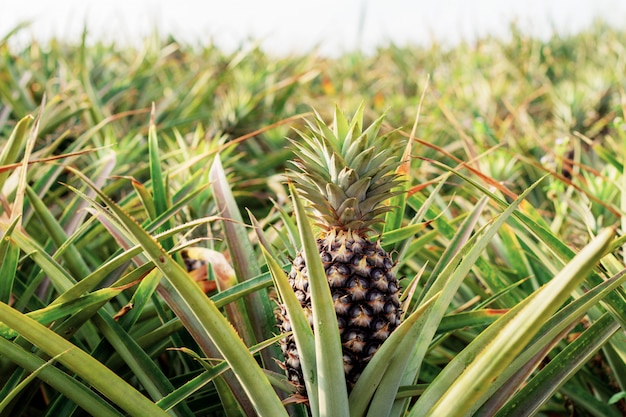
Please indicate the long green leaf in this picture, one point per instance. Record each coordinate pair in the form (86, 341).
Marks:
(531, 220)
(212, 371)
(159, 188)
(393, 219)
(331, 382)
(448, 281)
(560, 368)
(302, 333)
(551, 333)
(81, 363)
(75, 262)
(461, 399)
(391, 352)
(211, 323)
(9, 254)
(11, 149)
(143, 367)
(55, 312)
(60, 278)
(245, 264)
(80, 394)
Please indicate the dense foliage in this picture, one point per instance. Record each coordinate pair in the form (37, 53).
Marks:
(516, 164)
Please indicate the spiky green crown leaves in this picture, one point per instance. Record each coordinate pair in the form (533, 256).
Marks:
(345, 172)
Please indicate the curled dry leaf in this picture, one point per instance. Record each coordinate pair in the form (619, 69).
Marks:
(197, 260)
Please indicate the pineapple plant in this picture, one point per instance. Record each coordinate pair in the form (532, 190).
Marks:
(345, 174)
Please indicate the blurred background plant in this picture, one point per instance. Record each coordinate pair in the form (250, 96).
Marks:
(105, 150)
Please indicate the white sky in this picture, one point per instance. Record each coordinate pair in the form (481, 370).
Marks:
(297, 26)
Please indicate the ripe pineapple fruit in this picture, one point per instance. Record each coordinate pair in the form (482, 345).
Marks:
(345, 173)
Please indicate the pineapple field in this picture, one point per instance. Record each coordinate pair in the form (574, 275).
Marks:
(421, 231)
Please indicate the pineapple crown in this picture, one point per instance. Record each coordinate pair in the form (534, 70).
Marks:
(345, 172)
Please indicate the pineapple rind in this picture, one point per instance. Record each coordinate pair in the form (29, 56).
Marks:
(365, 294)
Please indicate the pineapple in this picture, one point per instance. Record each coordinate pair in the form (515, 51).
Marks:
(345, 174)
